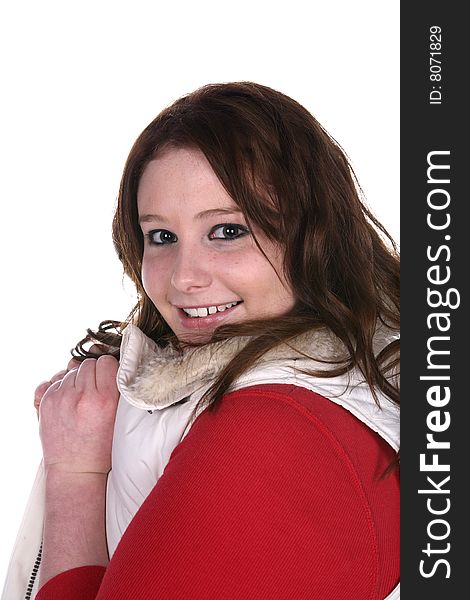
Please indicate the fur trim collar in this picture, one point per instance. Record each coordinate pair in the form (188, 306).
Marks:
(153, 377)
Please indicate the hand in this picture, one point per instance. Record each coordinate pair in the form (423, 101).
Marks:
(76, 418)
(45, 385)
(72, 364)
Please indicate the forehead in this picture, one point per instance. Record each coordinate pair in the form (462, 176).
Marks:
(181, 178)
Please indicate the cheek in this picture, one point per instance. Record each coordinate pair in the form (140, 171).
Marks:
(264, 284)
(153, 278)
(237, 272)
(252, 275)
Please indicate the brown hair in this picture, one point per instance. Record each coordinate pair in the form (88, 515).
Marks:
(293, 181)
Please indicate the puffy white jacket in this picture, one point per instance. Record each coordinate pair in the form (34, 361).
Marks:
(151, 421)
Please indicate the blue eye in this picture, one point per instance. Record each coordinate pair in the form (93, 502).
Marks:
(227, 231)
(161, 236)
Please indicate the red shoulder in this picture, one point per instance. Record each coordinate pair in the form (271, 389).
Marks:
(271, 494)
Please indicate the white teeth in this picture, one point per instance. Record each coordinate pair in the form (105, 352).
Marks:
(210, 310)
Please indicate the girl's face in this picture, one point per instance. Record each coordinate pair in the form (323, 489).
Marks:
(201, 266)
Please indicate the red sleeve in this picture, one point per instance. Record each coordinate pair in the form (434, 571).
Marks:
(82, 583)
(261, 500)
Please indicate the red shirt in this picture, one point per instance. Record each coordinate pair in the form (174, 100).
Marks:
(275, 494)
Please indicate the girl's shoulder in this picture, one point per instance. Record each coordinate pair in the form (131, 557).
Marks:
(287, 459)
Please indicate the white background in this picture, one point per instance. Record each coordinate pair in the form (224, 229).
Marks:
(79, 82)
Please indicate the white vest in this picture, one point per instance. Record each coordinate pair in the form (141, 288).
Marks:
(146, 434)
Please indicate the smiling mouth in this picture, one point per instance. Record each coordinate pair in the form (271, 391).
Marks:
(207, 311)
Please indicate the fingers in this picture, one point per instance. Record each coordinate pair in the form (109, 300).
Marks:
(88, 375)
(68, 380)
(39, 393)
(106, 372)
(42, 388)
(97, 374)
(72, 364)
(85, 378)
(57, 378)
(59, 375)
(98, 349)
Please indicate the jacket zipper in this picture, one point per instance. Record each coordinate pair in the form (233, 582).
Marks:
(34, 573)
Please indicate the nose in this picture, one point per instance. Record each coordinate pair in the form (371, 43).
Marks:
(191, 269)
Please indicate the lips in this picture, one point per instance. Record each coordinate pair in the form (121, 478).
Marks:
(204, 311)
(206, 316)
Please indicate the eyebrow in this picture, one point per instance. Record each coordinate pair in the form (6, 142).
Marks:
(205, 214)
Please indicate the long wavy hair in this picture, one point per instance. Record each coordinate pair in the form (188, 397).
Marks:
(293, 181)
